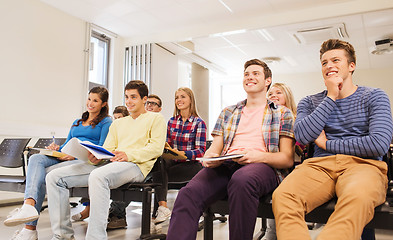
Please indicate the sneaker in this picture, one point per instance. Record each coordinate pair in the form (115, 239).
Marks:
(155, 228)
(25, 234)
(18, 216)
(163, 214)
(115, 223)
(78, 217)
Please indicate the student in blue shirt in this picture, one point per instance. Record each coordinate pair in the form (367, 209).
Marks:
(93, 126)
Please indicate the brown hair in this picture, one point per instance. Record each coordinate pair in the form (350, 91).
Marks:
(332, 44)
(266, 70)
(104, 95)
(121, 109)
(289, 100)
(193, 108)
(156, 97)
(140, 86)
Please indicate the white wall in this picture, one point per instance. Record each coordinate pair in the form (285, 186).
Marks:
(42, 69)
(42, 66)
(116, 76)
(200, 82)
(164, 75)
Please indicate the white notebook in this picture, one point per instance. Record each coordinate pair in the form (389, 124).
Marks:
(80, 149)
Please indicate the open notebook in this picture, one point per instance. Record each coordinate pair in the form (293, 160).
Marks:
(80, 149)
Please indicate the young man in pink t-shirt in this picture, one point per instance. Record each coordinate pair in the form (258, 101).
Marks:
(260, 130)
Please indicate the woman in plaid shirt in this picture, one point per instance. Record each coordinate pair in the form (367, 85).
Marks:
(186, 132)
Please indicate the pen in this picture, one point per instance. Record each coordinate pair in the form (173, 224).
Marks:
(53, 138)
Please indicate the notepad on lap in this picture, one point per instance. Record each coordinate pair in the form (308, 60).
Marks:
(51, 153)
(172, 154)
(80, 150)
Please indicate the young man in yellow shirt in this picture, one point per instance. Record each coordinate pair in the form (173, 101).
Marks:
(136, 140)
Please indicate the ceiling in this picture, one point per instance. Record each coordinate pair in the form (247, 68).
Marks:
(223, 34)
(362, 29)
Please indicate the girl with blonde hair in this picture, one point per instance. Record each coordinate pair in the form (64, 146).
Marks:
(186, 133)
(281, 94)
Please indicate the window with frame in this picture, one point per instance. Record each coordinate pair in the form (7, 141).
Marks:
(99, 59)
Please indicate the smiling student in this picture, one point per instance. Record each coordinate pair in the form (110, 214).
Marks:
(153, 103)
(93, 126)
(117, 211)
(281, 94)
(136, 141)
(186, 132)
(118, 112)
(351, 127)
(260, 130)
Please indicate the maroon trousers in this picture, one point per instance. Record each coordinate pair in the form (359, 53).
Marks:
(244, 185)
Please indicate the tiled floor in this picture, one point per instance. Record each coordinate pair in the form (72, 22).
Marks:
(133, 229)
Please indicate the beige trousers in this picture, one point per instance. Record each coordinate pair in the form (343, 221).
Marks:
(359, 184)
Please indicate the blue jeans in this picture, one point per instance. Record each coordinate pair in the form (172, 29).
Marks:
(99, 179)
(37, 168)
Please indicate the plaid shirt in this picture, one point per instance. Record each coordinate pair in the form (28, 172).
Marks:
(277, 121)
(188, 136)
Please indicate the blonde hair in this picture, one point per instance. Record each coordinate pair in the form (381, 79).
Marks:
(193, 108)
(289, 100)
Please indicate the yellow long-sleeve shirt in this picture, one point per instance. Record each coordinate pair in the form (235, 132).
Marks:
(142, 139)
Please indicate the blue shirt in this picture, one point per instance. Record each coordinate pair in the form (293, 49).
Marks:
(359, 125)
(96, 135)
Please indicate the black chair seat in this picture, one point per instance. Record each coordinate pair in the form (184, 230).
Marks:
(12, 156)
(12, 178)
(12, 183)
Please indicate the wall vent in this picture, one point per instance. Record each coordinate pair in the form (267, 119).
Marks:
(320, 34)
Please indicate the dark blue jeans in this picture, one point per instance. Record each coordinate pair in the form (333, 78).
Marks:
(243, 185)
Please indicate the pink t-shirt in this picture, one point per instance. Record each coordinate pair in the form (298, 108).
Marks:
(249, 132)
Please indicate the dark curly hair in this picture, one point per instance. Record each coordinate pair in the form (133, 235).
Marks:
(104, 95)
